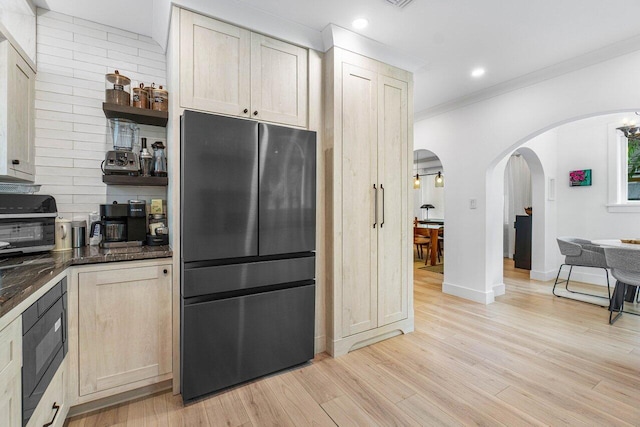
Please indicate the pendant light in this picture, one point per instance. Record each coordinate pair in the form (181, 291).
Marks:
(416, 181)
(439, 180)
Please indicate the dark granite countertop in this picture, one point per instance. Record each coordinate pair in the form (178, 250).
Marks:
(21, 276)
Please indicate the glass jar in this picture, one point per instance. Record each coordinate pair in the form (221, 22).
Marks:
(159, 99)
(140, 97)
(117, 89)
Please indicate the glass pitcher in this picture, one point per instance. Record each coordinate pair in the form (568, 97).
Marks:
(159, 159)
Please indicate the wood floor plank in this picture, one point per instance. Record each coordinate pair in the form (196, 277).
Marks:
(226, 409)
(262, 407)
(527, 359)
(345, 413)
(297, 403)
(375, 404)
(317, 384)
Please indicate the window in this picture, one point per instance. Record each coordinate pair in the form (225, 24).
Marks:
(624, 168)
(633, 168)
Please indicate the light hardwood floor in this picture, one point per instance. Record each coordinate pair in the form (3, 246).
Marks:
(527, 359)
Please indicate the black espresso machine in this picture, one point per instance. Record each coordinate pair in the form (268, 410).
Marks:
(121, 224)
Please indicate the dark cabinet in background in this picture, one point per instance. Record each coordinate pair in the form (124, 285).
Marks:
(522, 255)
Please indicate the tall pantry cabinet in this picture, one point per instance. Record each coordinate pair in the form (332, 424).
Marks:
(369, 141)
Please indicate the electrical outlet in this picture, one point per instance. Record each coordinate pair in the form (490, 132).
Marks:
(473, 203)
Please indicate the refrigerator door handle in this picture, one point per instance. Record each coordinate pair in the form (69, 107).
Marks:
(375, 206)
(382, 223)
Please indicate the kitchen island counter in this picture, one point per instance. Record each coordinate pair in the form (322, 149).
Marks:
(21, 276)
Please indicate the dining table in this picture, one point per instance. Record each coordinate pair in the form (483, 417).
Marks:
(434, 226)
(621, 290)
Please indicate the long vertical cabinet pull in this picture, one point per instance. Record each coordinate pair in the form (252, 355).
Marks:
(382, 223)
(375, 205)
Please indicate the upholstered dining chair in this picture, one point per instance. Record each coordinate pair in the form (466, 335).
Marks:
(625, 268)
(422, 240)
(580, 253)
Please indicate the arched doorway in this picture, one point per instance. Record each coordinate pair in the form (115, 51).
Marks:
(428, 211)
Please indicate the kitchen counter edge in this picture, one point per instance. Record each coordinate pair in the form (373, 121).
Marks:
(22, 276)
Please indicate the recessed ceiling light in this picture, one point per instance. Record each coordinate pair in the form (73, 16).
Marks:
(477, 72)
(360, 23)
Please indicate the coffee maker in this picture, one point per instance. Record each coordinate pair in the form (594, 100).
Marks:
(122, 225)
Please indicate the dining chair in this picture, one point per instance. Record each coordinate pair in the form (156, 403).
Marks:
(440, 242)
(580, 253)
(421, 239)
(625, 268)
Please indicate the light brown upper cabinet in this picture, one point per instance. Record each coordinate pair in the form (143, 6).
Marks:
(17, 116)
(229, 70)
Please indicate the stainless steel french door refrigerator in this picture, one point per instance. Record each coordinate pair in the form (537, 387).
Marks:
(248, 192)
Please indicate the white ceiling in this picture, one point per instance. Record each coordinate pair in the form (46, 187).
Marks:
(445, 39)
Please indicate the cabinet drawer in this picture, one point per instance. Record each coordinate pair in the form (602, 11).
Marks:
(53, 405)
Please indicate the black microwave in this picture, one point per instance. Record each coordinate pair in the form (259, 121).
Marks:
(27, 223)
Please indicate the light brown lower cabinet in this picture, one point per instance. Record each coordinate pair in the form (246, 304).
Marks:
(121, 338)
(10, 378)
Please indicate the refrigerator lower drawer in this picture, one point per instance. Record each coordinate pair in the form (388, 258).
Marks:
(236, 277)
(230, 341)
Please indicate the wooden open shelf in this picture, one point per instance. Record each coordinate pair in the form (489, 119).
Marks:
(154, 181)
(142, 116)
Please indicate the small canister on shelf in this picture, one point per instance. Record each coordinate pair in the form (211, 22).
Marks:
(117, 89)
(159, 99)
(140, 97)
(156, 221)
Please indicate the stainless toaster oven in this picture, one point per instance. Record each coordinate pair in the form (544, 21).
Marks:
(27, 223)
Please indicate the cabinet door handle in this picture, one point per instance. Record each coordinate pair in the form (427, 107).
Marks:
(255, 113)
(57, 408)
(246, 110)
(15, 162)
(382, 223)
(375, 205)
(165, 271)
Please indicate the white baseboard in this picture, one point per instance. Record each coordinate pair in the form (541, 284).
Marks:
(320, 344)
(593, 276)
(543, 276)
(498, 289)
(471, 294)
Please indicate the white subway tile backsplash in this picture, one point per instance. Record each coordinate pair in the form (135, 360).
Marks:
(52, 105)
(100, 147)
(43, 86)
(86, 75)
(89, 198)
(150, 45)
(41, 160)
(106, 28)
(72, 133)
(55, 50)
(154, 56)
(54, 15)
(91, 41)
(60, 70)
(87, 163)
(89, 128)
(53, 124)
(58, 33)
(88, 111)
(107, 62)
(89, 93)
(57, 180)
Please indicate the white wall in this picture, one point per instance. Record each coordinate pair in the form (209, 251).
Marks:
(72, 133)
(501, 124)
